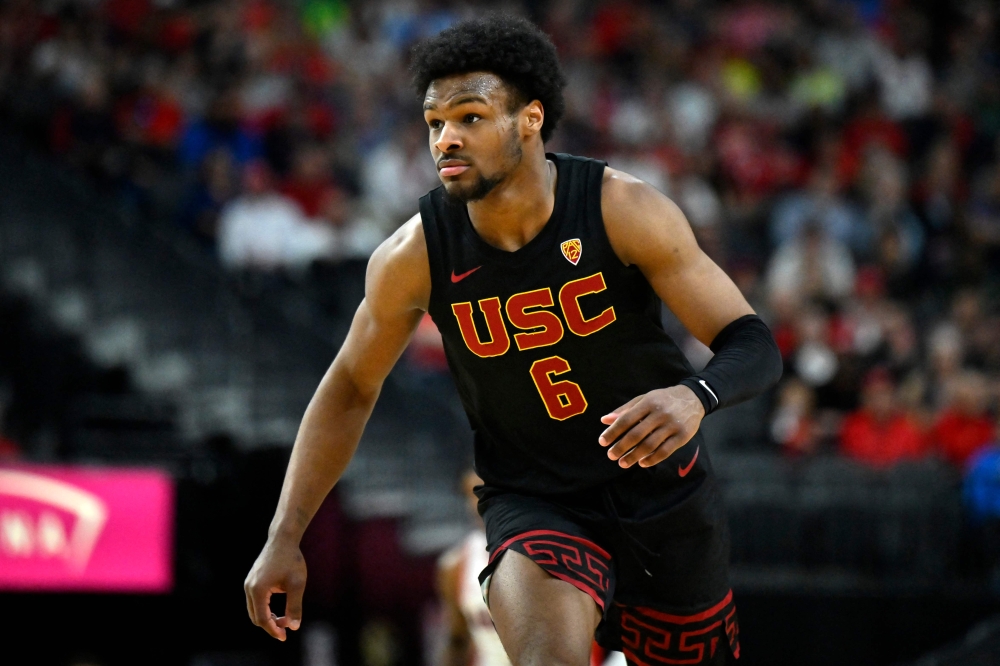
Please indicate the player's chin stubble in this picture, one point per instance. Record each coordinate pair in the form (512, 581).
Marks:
(483, 185)
(479, 190)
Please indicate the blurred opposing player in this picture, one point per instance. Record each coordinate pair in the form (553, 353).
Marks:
(471, 637)
(545, 274)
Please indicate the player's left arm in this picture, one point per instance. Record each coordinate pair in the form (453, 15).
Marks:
(648, 230)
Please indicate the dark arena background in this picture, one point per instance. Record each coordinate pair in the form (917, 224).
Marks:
(190, 190)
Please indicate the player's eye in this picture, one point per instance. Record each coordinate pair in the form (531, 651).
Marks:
(435, 124)
(471, 118)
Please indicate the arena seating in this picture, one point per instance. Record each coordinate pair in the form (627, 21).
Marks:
(208, 353)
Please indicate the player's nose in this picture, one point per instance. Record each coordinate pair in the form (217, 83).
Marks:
(450, 139)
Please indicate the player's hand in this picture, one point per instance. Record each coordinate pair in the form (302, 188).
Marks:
(280, 567)
(649, 428)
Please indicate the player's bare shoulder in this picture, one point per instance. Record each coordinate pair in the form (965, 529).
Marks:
(642, 223)
(399, 273)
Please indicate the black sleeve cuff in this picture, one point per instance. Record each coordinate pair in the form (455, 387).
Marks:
(701, 389)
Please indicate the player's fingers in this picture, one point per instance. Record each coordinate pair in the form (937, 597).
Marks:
(649, 443)
(624, 422)
(609, 418)
(271, 627)
(263, 617)
(665, 450)
(248, 589)
(293, 604)
(632, 438)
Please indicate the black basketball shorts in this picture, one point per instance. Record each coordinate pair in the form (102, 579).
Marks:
(651, 553)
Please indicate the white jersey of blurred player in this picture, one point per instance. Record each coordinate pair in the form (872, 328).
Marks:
(467, 559)
(470, 637)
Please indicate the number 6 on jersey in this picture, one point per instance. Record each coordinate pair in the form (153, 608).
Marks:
(562, 399)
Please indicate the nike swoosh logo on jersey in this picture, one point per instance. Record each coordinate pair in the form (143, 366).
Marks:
(683, 471)
(462, 276)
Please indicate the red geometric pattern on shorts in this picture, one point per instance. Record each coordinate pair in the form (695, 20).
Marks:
(650, 637)
(580, 562)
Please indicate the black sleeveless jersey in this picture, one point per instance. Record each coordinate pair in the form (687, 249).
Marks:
(544, 341)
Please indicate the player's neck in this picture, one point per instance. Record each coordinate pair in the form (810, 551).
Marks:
(518, 208)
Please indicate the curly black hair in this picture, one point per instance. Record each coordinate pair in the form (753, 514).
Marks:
(511, 47)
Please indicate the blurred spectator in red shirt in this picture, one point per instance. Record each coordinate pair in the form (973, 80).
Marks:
(869, 127)
(310, 184)
(151, 117)
(879, 434)
(752, 156)
(794, 425)
(965, 426)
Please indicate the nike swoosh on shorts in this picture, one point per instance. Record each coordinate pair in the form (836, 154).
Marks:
(683, 471)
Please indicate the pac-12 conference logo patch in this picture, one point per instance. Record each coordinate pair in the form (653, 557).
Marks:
(572, 249)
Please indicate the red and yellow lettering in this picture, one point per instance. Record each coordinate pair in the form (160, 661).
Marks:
(498, 343)
(517, 312)
(569, 299)
(562, 399)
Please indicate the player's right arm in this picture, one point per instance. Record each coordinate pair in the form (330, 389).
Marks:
(397, 292)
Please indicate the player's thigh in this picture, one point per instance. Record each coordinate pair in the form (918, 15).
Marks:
(541, 620)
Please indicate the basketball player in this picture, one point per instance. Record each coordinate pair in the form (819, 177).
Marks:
(471, 639)
(545, 273)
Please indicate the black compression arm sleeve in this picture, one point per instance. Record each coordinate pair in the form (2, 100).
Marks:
(746, 363)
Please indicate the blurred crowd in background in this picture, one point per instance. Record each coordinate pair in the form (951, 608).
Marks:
(840, 159)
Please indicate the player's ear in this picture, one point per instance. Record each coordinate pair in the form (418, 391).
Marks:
(532, 118)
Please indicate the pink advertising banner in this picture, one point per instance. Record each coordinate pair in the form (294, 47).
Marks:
(86, 529)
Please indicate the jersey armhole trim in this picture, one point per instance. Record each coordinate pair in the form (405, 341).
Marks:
(428, 220)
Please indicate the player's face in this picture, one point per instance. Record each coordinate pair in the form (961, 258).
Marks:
(474, 136)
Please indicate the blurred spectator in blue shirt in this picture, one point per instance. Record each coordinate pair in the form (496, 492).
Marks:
(984, 217)
(217, 184)
(220, 128)
(813, 265)
(823, 204)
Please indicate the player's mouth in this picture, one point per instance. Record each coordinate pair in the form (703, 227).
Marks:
(451, 168)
